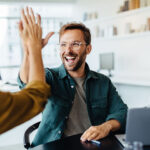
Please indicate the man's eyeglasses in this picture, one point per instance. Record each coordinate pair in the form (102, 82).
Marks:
(73, 45)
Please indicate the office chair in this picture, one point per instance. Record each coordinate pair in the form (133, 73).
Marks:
(27, 133)
(0, 77)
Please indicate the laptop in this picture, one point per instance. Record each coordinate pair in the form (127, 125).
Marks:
(138, 125)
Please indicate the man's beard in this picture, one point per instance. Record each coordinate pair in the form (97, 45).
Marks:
(78, 64)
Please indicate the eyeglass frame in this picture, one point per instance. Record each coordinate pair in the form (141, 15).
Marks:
(71, 45)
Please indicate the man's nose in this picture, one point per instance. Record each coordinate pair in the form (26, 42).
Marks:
(68, 48)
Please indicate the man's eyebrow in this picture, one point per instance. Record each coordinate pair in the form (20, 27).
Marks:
(76, 41)
(63, 42)
(70, 42)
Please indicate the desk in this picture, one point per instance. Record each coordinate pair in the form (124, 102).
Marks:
(74, 143)
(8, 87)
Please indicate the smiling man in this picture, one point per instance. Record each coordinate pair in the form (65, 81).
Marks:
(82, 101)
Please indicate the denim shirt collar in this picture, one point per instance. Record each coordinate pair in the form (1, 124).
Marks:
(62, 72)
(89, 74)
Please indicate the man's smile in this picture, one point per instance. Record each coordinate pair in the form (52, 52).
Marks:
(70, 60)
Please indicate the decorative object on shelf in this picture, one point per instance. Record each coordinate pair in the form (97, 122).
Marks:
(148, 24)
(90, 16)
(125, 6)
(134, 4)
(84, 16)
(115, 30)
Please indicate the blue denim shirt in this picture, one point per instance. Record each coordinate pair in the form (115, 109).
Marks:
(102, 99)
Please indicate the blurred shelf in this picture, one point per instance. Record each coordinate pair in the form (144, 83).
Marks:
(10, 66)
(118, 15)
(8, 86)
(131, 81)
(123, 37)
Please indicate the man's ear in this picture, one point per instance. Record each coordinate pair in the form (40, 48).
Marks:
(88, 49)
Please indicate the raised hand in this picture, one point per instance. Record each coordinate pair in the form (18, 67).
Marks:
(30, 19)
(45, 40)
(30, 30)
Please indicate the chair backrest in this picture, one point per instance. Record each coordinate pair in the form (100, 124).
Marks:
(27, 133)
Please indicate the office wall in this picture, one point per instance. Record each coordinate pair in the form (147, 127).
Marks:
(131, 52)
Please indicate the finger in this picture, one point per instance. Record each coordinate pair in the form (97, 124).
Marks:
(20, 26)
(92, 136)
(45, 41)
(39, 33)
(98, 137)
(32, 15)
(86, 135)
(83, 135)
(38, 20)
(28, 16)
(23, 18)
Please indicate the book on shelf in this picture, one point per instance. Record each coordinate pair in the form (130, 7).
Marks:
(134, 4)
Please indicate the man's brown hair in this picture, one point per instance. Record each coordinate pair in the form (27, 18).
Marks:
(80, 26)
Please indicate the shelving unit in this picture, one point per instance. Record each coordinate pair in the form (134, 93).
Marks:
(124, 37)
(131, 50)
(131, 81)
(117, 26)
(119, 15)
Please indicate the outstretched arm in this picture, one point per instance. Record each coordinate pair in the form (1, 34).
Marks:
(19, 107)
(25, 67)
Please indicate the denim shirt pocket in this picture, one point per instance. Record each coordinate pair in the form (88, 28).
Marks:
(99, 108)
(55, 111)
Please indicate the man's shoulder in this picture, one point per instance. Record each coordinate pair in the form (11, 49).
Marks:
(52, 70)
(100, 76)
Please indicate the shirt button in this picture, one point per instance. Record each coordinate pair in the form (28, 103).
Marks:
(72, 86)
(66, 117)
(59, 132)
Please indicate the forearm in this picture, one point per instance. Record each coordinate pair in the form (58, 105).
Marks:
(31, 100)
(24, 70)
(36, 65)
(112, 125)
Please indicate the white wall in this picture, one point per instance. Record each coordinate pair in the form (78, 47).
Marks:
(131, 52)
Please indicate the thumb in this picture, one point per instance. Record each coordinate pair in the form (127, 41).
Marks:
(45, 40)
(20, 26)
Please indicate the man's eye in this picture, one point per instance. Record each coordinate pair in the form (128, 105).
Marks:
(63, 45)
(75, 44)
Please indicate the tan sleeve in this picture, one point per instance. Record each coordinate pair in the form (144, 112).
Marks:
(16, 108)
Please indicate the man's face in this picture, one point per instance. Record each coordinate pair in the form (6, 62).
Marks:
(73, 49)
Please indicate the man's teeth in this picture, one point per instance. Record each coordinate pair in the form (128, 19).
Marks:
(69, 58)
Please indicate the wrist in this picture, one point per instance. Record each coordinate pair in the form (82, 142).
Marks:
(34, 48)
(108, 125)
(35, 53)
(36, 44)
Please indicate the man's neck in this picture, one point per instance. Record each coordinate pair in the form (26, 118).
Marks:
(78, 73)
